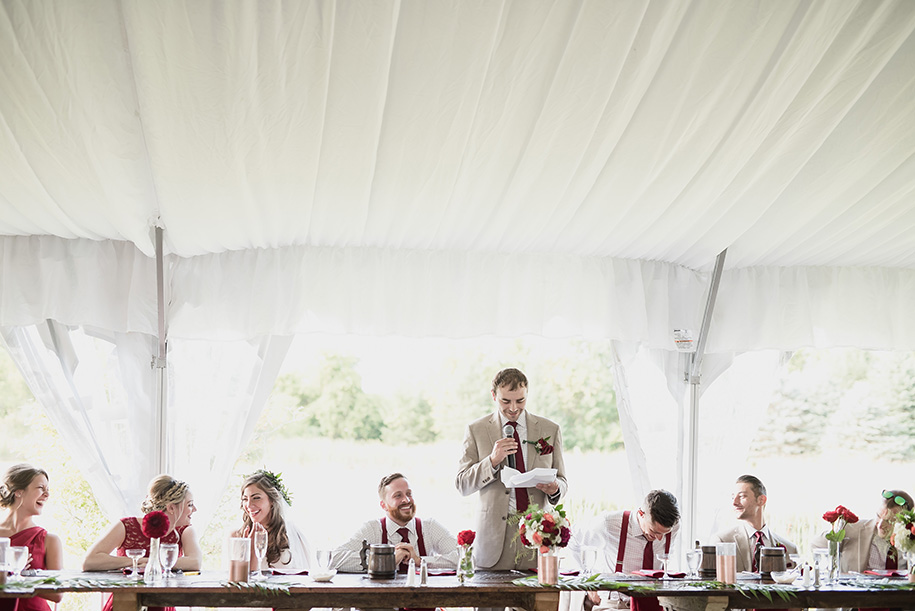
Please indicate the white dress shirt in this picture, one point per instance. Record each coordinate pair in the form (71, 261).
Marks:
(441, 545)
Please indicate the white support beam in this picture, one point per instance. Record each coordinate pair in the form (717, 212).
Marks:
(693, 375)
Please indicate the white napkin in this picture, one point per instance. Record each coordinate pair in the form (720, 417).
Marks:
(512, 478)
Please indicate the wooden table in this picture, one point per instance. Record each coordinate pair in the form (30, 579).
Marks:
(486, 589)
(301, 592)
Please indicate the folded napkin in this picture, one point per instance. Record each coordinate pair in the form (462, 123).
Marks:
(886, 573)
(656, 574)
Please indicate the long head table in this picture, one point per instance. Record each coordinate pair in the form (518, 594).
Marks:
(486, 589)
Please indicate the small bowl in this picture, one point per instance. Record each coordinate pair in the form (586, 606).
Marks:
(784, 576)
(320, 575)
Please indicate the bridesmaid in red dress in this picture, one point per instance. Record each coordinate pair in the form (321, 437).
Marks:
(23, 493)
(165, 494)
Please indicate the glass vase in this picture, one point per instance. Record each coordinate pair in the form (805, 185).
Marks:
(153, 575)
(548, 568)
(833, 563)
(465, 563)
(910, 565)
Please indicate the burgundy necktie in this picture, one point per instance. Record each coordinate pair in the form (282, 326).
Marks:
(648, 556)
(405, 538)
(757, 549)
(521, 498)
(891, 562)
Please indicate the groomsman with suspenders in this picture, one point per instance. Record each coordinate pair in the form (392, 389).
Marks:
(412, 537)
(631, 541)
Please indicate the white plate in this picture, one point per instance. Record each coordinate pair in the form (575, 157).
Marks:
(323, 575)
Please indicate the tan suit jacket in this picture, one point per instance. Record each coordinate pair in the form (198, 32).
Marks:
(855, 548)
(738, 534)
(475, 474)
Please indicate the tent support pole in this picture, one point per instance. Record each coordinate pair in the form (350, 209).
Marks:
(693, 376)
(159, 363)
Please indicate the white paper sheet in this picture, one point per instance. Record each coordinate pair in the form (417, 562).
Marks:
(512, 478)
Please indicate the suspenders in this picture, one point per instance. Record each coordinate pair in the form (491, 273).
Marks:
(624, 529)
(419, 535)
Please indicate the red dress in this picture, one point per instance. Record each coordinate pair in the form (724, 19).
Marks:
(135, 539)
(34, 539)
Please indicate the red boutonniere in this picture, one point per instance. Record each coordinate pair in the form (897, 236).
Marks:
(543, 445)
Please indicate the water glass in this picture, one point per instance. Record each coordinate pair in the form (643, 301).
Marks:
(587, 558)
(693, 560)
(17, 559)
(168, 556)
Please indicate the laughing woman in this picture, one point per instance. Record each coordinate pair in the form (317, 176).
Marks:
(23, 493)
(265, 501)
(166, 494)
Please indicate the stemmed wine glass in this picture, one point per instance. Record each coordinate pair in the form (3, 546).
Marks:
(260, 548)
(663, 558)
(693, 560)
(588, 558)
(19, 558)
(323, 557)
(135, 555)
(168, 556)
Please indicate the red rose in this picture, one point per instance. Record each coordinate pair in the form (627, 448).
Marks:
(850, 518)
(466, 537)
(548, 528)
(564, 535)
(544, 448)
(831, 516)
(155, 524)
(525, 542)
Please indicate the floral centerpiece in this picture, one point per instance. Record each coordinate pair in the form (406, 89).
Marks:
(155, 525)
(837, 519)
(465, 560)
(545, 530)
(903, 538)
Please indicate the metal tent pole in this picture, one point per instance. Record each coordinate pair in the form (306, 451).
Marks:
(159, 362)
(693, 376)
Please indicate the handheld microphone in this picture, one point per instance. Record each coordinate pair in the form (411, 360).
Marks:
(509, 433)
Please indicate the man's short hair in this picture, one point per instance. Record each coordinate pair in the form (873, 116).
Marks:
(889, 499)
(386, 480)
(661, 507)
(759, 489)
(511, 377)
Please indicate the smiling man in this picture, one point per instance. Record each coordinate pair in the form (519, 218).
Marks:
(412, 537)
(751, 533)
(532, 442)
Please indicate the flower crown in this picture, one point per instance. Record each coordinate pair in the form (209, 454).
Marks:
(276, 480)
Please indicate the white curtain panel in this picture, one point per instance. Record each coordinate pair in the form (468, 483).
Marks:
(99, 392)
(98, 389)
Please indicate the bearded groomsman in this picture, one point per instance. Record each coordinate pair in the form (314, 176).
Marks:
(412, 537)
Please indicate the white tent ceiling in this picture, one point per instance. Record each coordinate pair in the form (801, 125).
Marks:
(576, 160)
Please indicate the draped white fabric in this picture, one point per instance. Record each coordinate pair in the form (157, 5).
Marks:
(99, 390)
(449, 169)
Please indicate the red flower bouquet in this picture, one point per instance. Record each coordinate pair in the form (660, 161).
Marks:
(155, 524)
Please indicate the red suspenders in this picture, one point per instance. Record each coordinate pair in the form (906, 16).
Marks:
(419, 535)
(624, 529)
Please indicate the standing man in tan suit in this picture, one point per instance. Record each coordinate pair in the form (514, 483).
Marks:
(533, 441)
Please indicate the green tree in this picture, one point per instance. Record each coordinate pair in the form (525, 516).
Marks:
(335, 406)
(409, 420)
